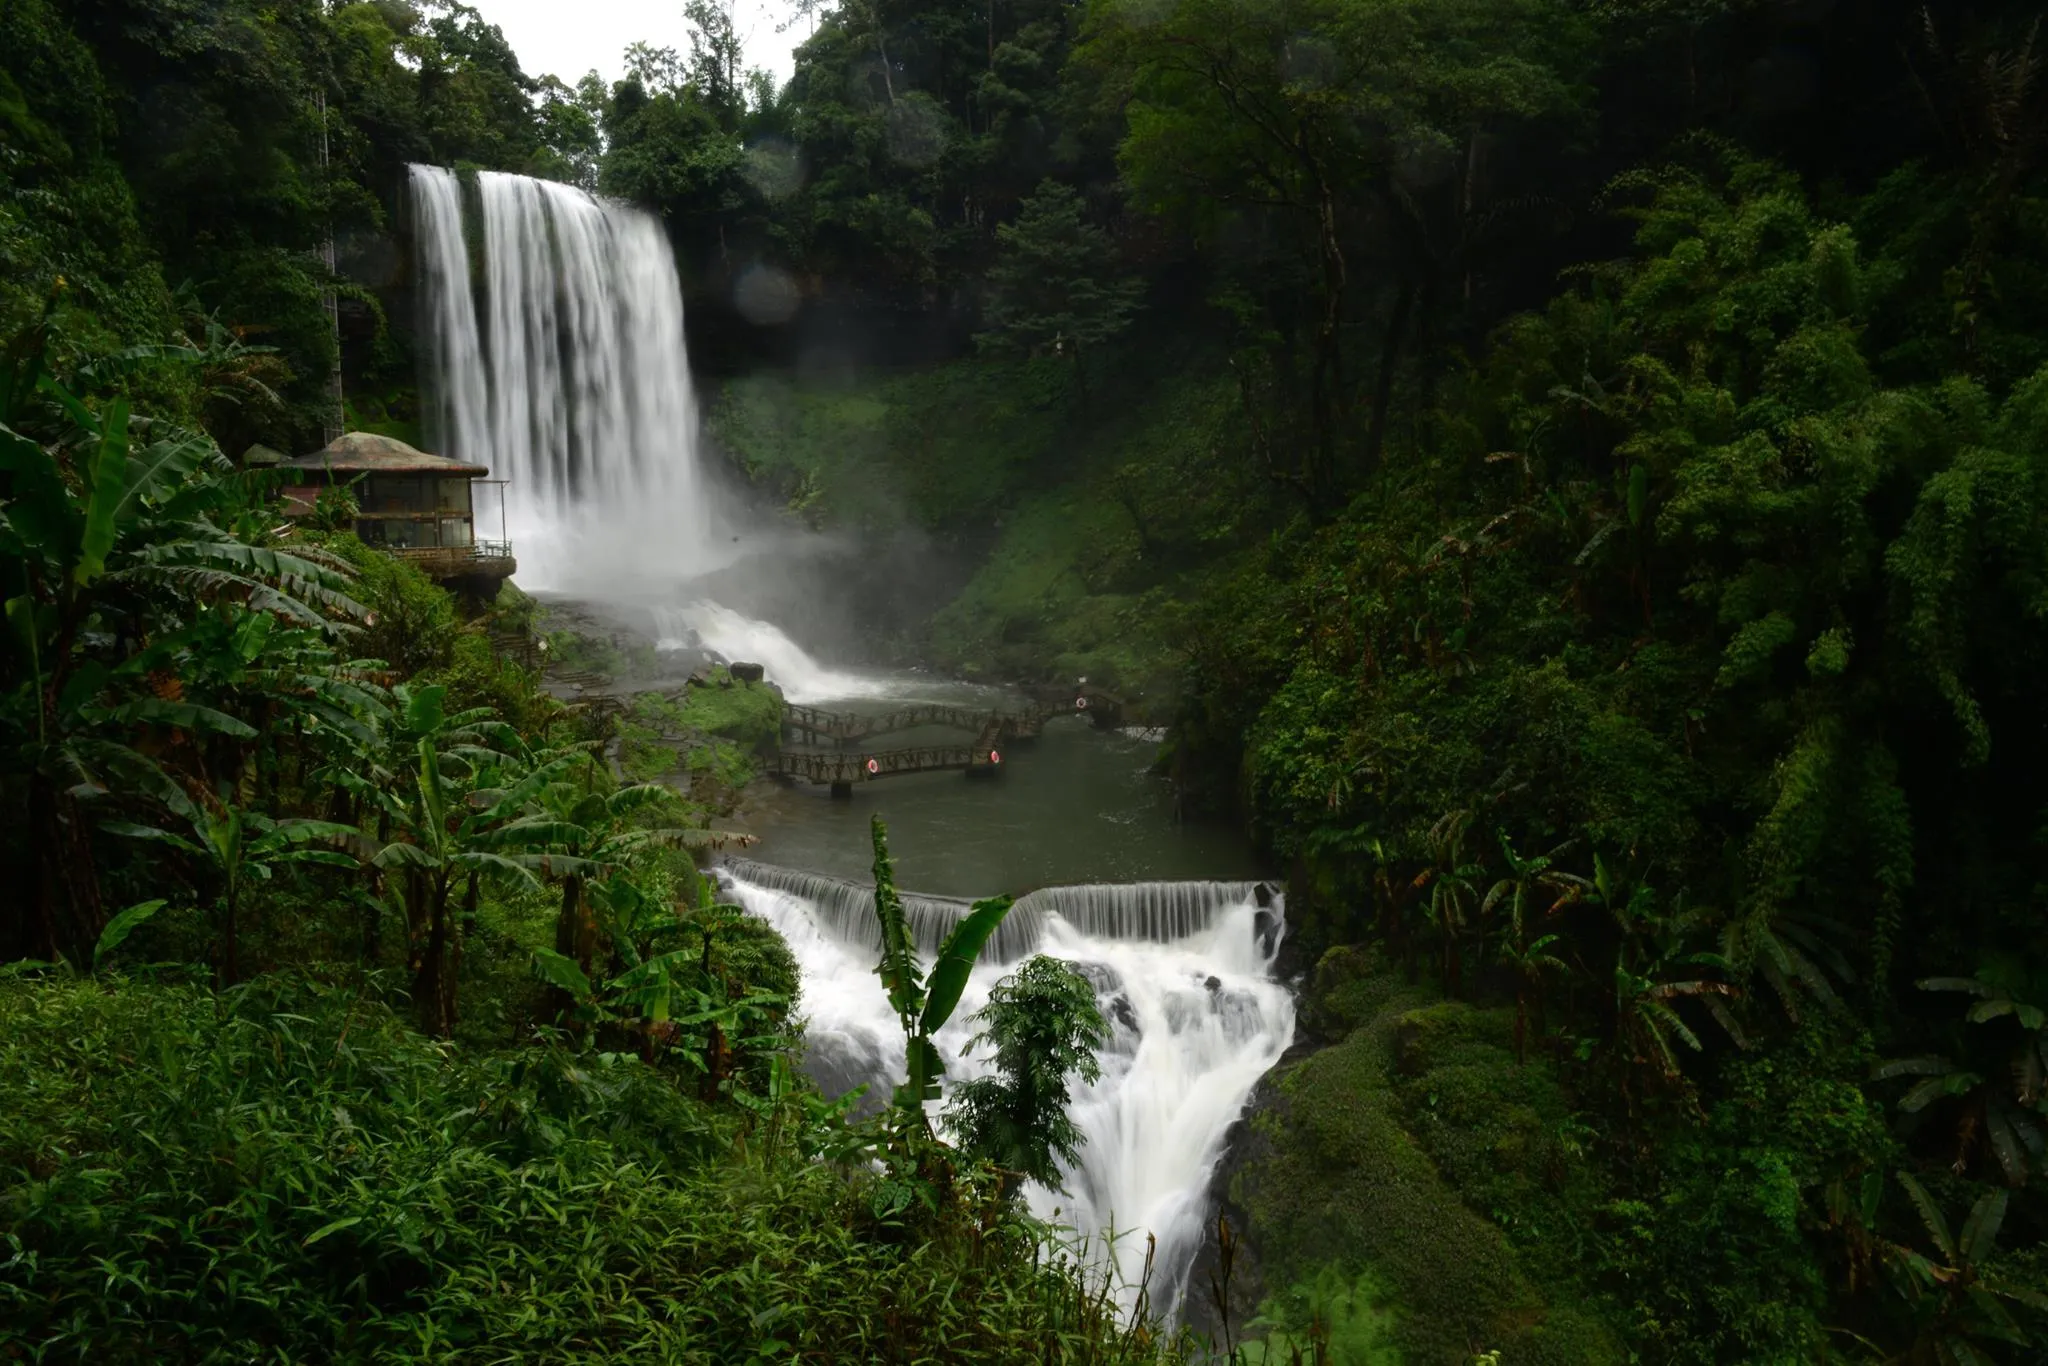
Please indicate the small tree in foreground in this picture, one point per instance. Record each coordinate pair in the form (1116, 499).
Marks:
(923, 1005)
(1045, 1027)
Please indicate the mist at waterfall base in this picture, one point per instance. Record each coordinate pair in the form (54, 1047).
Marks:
(1183, 973)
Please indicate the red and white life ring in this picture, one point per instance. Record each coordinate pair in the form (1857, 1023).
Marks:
(1080, 704)
(995, 756)
(874, 766)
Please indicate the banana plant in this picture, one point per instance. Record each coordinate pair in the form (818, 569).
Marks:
(2005, 1118)
(677, 1001)
(107, 539)
(923, 1005)
(1528, 881)
(432, 779)
(1652, 950)
(241, 847)
(1960, 1301)
(582, 830)
(1451, 881)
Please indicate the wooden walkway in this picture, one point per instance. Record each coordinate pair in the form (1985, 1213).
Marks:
(840, 769)
(817, 726)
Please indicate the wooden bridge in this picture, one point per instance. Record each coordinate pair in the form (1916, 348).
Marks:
(840, 769)
(841, 728)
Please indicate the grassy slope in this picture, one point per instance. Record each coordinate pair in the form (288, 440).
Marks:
(713, 732)
(287, 1172)
(1091, 504)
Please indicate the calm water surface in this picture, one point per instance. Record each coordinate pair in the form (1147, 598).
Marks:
(1078, 807)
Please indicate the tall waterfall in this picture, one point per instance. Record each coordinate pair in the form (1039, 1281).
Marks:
(558, 360)
(1183, 973)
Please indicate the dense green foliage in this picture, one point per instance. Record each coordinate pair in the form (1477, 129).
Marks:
(1042, 1028)
(1573, 473)
(321, 1182)
(217, 149)
(713, 732)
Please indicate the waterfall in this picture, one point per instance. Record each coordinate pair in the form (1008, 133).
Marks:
(558, 360)
(1183, 972)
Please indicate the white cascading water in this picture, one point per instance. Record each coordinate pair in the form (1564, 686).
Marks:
(735, 635)
(570, 378)
(1184, 975)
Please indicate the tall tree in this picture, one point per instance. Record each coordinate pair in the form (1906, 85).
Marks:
(1357, 139)
(1055, 286)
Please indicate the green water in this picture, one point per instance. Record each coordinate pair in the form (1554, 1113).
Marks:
(1080, 806)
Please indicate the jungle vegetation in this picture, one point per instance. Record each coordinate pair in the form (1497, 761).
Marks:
(1572, 473)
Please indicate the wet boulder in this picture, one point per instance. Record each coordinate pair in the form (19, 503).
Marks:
(746, 673)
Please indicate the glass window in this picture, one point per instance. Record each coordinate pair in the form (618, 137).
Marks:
(396, 493)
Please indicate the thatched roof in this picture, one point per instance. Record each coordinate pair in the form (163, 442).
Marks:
(358, 452)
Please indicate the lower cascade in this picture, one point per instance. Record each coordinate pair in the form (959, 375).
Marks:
(1183, 972)
(734, 635)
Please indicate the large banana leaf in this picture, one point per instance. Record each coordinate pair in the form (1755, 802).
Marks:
(899, 971)
(181, 715)
(956, 960)
(107, 472)
(121, 926)
(926, 1067)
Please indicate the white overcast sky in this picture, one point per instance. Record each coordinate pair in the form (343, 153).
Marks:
(566, 38)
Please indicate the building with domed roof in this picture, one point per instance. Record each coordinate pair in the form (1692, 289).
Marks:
(411, 504)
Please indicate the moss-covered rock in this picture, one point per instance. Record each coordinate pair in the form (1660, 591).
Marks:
(711, 733)
(583, 641)
(1399, 1190)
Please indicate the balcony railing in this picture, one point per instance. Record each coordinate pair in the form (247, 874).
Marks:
(450, 561)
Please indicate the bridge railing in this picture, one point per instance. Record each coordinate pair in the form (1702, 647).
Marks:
(844, 727)
(845, 767)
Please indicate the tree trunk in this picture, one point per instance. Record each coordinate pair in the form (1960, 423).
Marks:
(230, 939)
(1390, 362)
(373, 921)
(882, 47)
(567, 926)
(568, 922)
(1326, 370)
(433, 985)
(68, 914)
